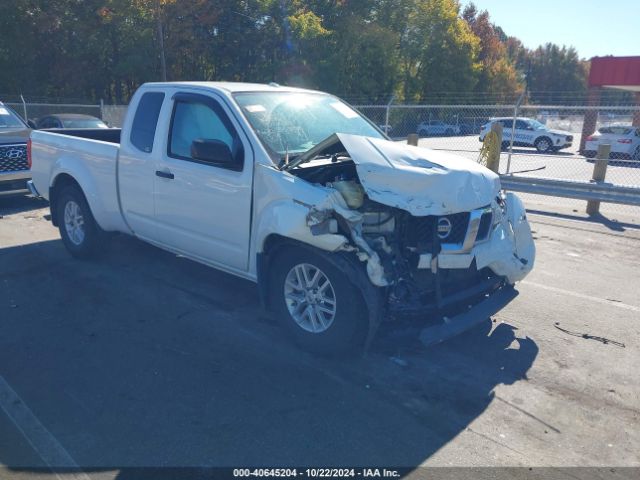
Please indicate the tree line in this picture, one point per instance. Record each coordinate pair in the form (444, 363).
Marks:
(364, 50)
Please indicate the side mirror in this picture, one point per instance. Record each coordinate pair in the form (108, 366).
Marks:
(214, 152)
(32, 124)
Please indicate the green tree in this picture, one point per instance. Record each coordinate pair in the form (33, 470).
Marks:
(438, 51)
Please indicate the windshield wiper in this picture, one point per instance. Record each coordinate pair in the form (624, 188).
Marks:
(314, 152)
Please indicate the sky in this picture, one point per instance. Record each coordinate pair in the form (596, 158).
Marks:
(593, 27)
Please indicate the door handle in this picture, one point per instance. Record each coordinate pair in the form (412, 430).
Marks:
(163, 174)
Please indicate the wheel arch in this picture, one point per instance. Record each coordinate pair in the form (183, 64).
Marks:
(373, 298)
(59, 183)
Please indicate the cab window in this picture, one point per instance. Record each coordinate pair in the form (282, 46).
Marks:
(143, 129)
(200, 120)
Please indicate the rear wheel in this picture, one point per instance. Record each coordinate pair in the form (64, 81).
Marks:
(636, 154)
(316, 302)
(80, 233)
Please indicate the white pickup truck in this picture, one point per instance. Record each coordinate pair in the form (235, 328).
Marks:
(293, 189)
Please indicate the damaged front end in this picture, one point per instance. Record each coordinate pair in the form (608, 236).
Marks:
(436, 234)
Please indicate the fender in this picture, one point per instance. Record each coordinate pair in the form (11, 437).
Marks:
(107, 216)
(288, 218)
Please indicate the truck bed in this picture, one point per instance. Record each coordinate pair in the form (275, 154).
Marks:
(91, 161)
(111, 135)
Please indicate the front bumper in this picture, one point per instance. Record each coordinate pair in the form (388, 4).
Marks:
(479, 313)
(14, 183)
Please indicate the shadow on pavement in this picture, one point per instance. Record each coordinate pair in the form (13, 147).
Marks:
(596, 218)
(144, 359)
(18, 204)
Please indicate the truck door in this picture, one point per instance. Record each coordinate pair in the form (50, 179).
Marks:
(139, 153)
(204, 209)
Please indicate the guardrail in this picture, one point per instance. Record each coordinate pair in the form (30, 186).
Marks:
(591, 191)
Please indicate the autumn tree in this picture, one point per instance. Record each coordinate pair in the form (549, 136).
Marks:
(497, 74)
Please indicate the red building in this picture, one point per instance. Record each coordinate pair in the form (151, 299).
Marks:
(622, 73)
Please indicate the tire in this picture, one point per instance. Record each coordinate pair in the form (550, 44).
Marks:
(636, 154)
(543, 144)
(504, 146)
(422, 133)
(80, 233)
(323, 333)
(448, 132)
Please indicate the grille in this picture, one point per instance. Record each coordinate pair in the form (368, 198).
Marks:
(485, 226)
(13, 158)
(425, 228)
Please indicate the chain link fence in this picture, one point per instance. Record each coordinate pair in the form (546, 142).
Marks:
(547, 139)
(112, 115)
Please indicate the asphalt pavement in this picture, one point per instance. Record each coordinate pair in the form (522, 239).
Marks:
(143, 358)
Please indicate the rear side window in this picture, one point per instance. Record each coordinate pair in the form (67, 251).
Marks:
(616, 130)
(143, 130)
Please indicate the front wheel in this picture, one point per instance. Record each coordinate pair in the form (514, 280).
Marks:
(80, 233)
(543, 145)
(315, 301)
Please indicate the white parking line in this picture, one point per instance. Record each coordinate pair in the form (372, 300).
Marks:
(40, 439)
(603, 301)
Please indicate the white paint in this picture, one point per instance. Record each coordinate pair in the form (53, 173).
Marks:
(420, 181)
(582, 296)
(40, 439)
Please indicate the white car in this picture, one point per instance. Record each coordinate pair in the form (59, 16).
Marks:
(530, 133)
(337, 225)
(624, 141)
(436, 127)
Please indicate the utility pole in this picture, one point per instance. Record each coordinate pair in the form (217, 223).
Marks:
(163, 62)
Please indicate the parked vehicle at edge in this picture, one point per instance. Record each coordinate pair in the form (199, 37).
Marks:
(530, 133)
(339, 227)
(624, 141)
(14, 169)
(386, 128)
(69, 120)
(437, 128)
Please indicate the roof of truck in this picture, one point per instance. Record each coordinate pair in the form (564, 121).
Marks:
(233, 87)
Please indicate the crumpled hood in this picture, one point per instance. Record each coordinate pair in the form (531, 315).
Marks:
(418, 180)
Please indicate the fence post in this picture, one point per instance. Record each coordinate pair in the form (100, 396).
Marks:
(412, 139)
(24, 108)
(513, 128)
(599, 174)
(101, 109)
(386, 118)
(493, 161)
